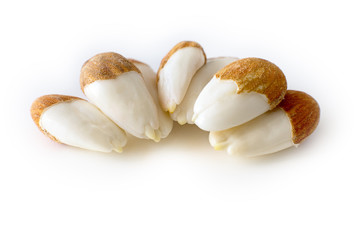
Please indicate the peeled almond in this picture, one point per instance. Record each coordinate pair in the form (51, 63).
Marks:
(116, 86)
(76, 122)
(238, 93)
(185, 110)
(150, 80)
(176, 71)
(292, 121)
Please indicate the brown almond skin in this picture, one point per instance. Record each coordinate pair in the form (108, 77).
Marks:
(135, 61)
(42, 103)
(304, 114)
(256, 75)
(180, 45)
(105, 66)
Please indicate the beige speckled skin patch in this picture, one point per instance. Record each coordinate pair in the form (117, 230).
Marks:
(303, 112)
(256, 75)
(105, 66)
(44, 102)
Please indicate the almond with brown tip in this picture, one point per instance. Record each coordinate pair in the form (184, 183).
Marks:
(176, 71)
(116, 86)
(292, 121)
(76, 122)
(238, 93)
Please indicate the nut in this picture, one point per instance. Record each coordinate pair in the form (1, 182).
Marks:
(76, 122)
(176, 71)
(238, 93)
(292, 121)
(117, 87)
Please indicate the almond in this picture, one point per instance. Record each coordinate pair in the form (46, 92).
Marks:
(176, 71)
(76, 122)
(292, 121)
(238, 93)
(116, 86)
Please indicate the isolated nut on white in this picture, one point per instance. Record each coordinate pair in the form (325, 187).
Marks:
(176, 71)
(76, 122)
(150, 80)
(185, 110)
(292, 121)
(116, 86)
(238, 93)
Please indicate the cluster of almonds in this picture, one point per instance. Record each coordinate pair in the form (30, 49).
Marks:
(243, 103)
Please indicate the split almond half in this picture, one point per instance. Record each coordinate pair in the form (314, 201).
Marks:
(150, 80)
(185, 110)
(76, 122)
(116, 86)
(292, 121)
(238, 93)
(176, 71)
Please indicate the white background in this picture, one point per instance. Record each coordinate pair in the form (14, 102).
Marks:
(180, 188)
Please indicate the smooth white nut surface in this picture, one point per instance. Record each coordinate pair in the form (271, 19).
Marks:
(219, 107)
(79, 123)
(175, 76)
(268, 133)
(128, 103)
